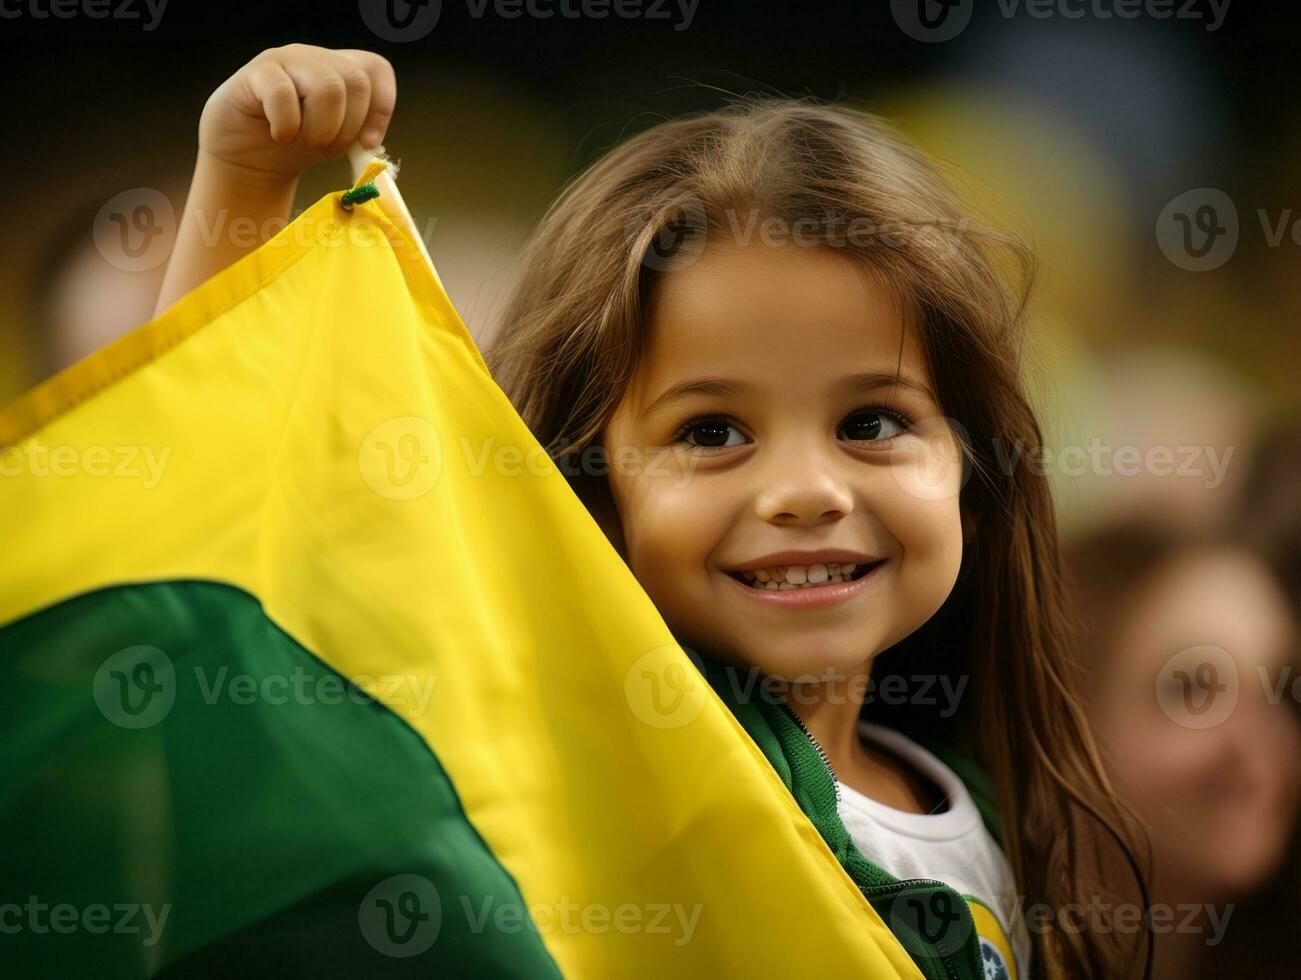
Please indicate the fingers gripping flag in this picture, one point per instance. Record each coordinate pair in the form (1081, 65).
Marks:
(310, 659)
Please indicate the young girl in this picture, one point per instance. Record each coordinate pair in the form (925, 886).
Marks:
(778, 364)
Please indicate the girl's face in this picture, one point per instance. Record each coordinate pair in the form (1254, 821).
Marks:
(781, 405)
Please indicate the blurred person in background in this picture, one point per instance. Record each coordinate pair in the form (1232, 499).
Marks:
(96, 276)
(1270, 511)
(1191, 644)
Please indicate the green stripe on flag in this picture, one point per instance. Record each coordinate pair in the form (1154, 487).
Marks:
(185, 785)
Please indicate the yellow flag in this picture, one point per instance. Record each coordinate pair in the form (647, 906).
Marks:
(311, 656)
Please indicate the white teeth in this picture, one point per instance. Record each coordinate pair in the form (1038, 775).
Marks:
(799, 576)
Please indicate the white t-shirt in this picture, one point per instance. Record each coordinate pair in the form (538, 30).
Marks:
(951, 846)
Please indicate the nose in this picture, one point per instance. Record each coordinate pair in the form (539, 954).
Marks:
(802, 485)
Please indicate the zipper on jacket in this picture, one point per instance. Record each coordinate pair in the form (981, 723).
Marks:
(835, 783)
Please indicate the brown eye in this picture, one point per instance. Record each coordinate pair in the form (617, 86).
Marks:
(711, 435)
(708, 432)
(873, 426)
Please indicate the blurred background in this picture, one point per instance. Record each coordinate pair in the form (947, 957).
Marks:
(1149, 157)
(1148, 150)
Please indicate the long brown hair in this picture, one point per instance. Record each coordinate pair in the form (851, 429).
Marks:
(573, 332)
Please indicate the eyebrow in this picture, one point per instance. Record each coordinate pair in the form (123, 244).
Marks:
(734, 387)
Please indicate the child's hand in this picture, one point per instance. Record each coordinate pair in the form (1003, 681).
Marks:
(282, 112)
(293, 106)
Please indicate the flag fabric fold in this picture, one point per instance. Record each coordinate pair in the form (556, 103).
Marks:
(311, 659)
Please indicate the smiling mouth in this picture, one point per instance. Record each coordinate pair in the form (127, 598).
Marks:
(787, 578)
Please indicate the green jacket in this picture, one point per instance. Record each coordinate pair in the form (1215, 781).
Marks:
(930, 919)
